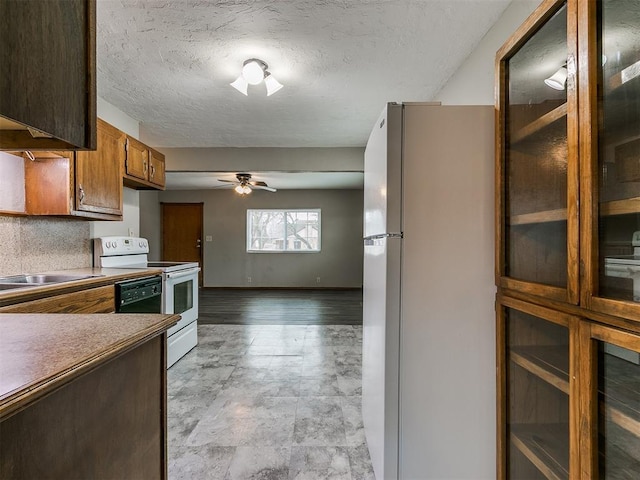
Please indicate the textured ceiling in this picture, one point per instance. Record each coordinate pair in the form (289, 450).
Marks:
(168, 64)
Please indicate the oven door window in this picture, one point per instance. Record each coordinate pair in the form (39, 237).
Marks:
(183, 296)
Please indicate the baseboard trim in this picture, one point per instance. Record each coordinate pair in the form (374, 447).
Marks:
(282, 288)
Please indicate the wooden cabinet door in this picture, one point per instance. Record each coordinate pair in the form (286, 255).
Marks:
(48, 81)
(156, 168)
(537, 392)
(98, 176)
(537, 163)
(137, 161)
(48, 183)
(610, 402)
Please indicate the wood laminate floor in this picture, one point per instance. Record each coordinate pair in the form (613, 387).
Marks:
(280, 307)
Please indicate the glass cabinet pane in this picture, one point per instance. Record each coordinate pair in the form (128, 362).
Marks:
(618, 27)
(619, 412)
(536, 157)
(537, 364)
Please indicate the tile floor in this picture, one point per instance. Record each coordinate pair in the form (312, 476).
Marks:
(269, 402)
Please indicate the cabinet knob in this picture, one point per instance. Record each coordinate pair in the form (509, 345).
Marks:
(144, 166)
(81, 193)
(153, 171)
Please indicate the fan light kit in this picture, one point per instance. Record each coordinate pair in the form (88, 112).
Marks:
(254, 71)
(244, 185)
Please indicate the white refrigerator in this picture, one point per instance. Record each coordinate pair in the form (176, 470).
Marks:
(428, 366)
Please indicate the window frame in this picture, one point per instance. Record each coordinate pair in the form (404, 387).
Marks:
(318, 211)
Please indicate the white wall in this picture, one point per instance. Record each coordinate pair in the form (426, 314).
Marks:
(11, 183)
(265, 159)
(130, 198)
(474, 82)
(226, 261)
(118, 118)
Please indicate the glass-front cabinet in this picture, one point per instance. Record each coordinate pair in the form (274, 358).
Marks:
(568, 243)
(611, 155)
(538, 130)
(611, 433)
(538, 389)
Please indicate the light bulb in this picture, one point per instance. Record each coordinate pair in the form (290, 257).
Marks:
(558, 79)
(239, 189)
(240, 84)
(253, 72)
(246, 189)
(272, 84)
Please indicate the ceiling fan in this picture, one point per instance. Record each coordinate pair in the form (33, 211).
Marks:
(244, 185)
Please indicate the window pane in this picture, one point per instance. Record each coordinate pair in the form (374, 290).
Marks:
(267, 230)
(283, 230)
(302, 231)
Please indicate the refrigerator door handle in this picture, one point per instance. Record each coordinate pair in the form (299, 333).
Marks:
(369, 240)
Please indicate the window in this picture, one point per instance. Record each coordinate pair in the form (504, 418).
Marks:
(283, 230)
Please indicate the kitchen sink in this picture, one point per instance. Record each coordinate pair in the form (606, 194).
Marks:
(17, 281)
(11, 286)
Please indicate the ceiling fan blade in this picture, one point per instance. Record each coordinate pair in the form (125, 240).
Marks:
(230, 181)
(260, 184)
(262, 187)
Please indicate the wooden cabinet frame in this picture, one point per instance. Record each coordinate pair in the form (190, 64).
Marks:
(568, 321)
(589, 207)
(144, 167)
(589, 317)
(589, 403)
(537, 19)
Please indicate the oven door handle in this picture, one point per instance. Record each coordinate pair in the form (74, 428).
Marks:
(183, 273)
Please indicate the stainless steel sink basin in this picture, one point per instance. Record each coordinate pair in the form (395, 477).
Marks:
(24, 280)
(11, 286)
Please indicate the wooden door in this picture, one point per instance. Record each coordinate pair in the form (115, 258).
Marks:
(182, 233)
(98, 176)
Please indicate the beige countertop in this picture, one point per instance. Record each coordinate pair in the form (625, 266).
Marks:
(41, 352)
(101, 276)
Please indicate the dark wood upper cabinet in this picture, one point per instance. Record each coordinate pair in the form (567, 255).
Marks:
(47, 74)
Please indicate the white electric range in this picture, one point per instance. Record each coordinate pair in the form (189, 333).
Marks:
(179, 287)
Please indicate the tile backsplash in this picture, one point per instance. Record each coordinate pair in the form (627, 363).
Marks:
(38, 244)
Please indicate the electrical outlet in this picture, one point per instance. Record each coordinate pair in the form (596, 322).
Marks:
(317, 279)
(208, 238)
(248, 279)
(131, 232)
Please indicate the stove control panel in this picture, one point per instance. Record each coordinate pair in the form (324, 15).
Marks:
(111, 246)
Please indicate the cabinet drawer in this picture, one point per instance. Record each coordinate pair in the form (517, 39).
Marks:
(95, 300)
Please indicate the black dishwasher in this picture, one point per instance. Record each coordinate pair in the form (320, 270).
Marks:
(142, 295)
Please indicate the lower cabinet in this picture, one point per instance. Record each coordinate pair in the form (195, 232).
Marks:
(610, 423)
(109, 423)
(569, 396)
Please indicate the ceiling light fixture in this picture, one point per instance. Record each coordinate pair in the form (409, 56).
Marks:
(254, 71)
(243, 189)
(558, 80)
